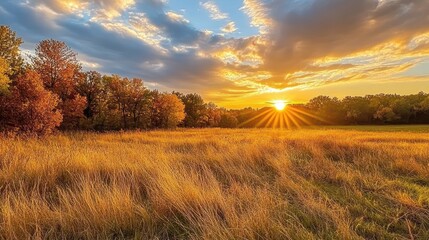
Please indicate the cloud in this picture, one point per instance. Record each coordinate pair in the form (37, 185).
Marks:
(229, 28)
(112, 8)
(214, 11)
(259, 15)
(102, 42)
(301, 44)
(298, 37)
(177, 17)
(98, 8)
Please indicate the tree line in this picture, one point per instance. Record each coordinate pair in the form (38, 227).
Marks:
(372, 109)
(51, 91)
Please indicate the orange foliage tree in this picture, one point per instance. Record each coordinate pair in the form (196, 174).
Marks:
(60, 72)
(4, 79)
(9, 50)
(29, 107)
(168, 111)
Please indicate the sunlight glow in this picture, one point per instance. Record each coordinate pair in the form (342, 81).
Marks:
(283, 116)
(280, 105)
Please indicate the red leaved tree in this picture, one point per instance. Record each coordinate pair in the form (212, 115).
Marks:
(60, 72)
(29, 107)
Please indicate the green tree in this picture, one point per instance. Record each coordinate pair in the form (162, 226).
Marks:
(318, 102)
(90, 86)
(227, 120)
(194, 109)
(403, 108)
(328, 109)
(139, 103)
(424, 104)
(386, 115)
(117, 99)
(129, 102)
(358, 110)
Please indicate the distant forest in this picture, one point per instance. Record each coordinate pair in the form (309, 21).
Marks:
(52, 92)
(371, 109)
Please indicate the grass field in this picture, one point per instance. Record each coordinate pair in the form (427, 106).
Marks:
(217, 184)
(380, 128)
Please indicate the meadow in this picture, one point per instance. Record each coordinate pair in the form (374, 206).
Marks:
(322, 183)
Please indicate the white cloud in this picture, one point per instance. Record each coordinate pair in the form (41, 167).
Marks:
(229, 28)
(258, 14)
(177, 17)
(214, 11)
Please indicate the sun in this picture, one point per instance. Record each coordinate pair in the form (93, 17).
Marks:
(280, 105)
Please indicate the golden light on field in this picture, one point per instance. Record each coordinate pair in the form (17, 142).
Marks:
(280, 104)
(284, 116)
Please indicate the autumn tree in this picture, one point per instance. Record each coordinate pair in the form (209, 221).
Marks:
(117, 89)
(4, 78)
(29, 108)
(129, 101)
(212, 115)
(139, 103)
(385, 115)
(60, 72)
(92, 86)
(9, 50)
(167, 111)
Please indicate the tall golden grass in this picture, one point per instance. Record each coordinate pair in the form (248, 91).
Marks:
(216, 184)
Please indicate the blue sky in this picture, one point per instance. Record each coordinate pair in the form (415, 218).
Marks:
(240, 53)
(194, 11)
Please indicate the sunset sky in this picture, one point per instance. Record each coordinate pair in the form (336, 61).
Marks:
(241, 53)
